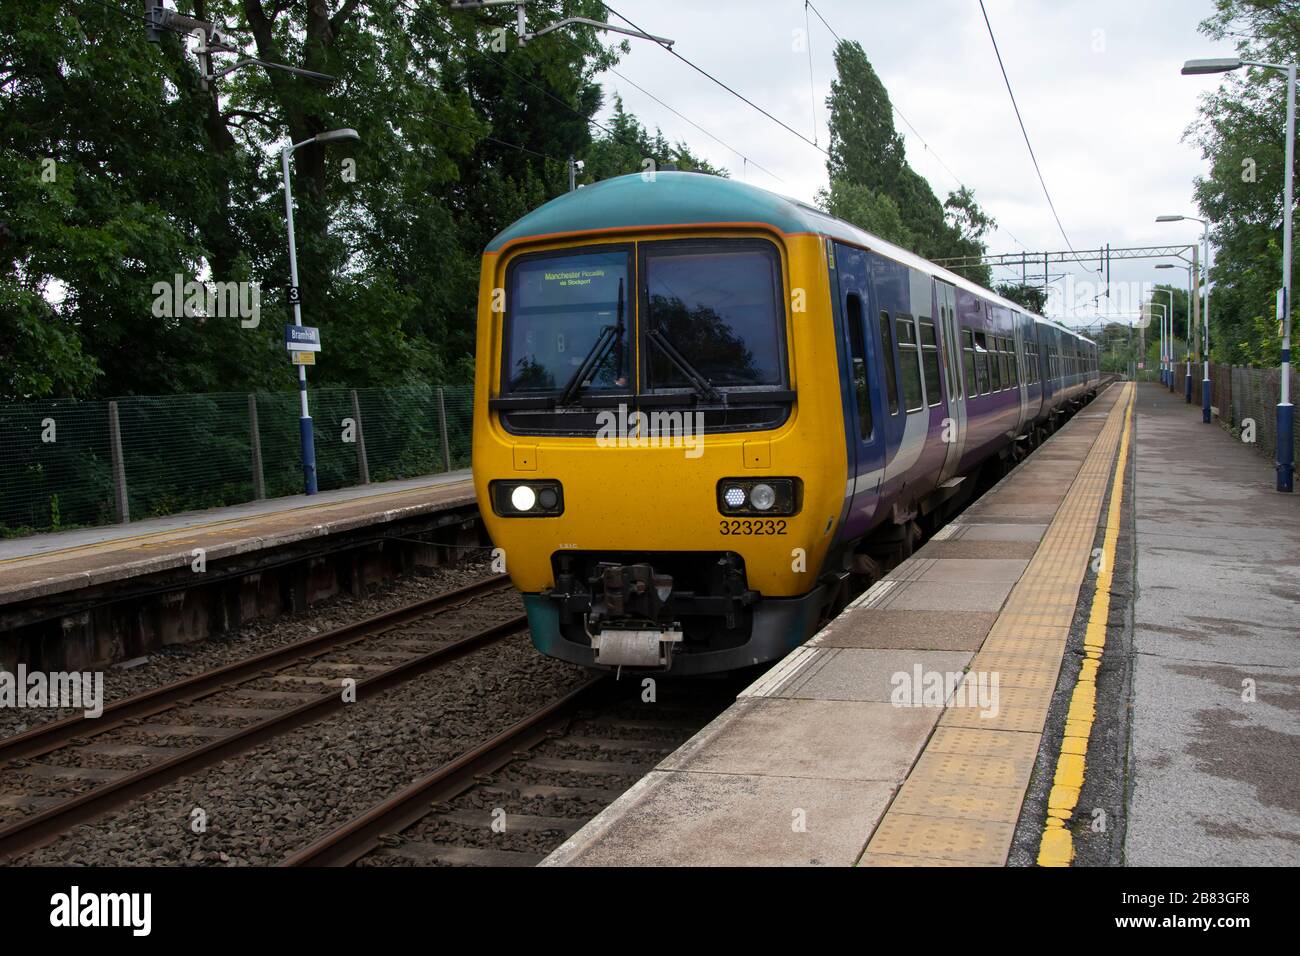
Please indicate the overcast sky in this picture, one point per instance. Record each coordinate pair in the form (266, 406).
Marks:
(1097, 82)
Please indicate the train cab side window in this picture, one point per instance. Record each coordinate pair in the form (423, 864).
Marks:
(968, 361)
(909, 358)
(930, 360)
(887, 359)
(859, 357)
(981, 364)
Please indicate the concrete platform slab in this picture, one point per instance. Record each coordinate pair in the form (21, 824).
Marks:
(959, 571)
(919, 630)
(979, 550)
(830, 739)
(690, 819)
(937, 596)
(1027, 533)
(840, 673)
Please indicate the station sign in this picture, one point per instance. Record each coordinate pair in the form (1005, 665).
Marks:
(303, 358)
(301, 338)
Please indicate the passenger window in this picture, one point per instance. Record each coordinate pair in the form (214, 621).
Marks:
(909, 363)
(930, 361)
(858, 348)
(1004, 360)
(981, 364)
(891, 377)
(995, 366)
(968, 361)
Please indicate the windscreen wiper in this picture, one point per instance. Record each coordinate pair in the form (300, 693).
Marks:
(702, 386)
(608, 334)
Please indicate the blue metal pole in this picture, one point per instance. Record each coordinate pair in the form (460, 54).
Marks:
(304, 421)
(1187, 377)
(1285, 410)
(1205, 380)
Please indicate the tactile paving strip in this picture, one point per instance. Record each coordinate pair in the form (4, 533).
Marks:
(960, 802)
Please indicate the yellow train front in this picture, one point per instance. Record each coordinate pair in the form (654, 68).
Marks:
(639, 455)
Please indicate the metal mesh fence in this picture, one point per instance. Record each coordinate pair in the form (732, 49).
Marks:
(1239, 393)
(59, 464)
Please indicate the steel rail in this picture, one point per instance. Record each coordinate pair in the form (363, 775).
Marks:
(57, 733)
(354, 839)
(39, 828)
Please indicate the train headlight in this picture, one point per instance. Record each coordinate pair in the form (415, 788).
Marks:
(760, 496)
(526, 499)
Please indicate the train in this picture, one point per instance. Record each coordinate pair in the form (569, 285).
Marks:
(705, 413)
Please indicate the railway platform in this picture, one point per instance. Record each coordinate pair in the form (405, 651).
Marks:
(92, 596)
(1094, 664)
(1215, 738)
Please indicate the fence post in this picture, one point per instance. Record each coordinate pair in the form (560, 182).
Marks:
(363, 466)
(255, 442)
(119, 466)
(442, 424)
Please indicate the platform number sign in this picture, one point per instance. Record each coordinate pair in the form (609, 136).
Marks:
(295, 296)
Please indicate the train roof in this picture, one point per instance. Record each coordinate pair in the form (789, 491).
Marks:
(674, 198)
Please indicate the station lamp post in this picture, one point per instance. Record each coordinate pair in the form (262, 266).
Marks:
(295, 296)
(1164, 313)
(1285, 410)
(1167, 359)
(1187, 379)
(1205, 327)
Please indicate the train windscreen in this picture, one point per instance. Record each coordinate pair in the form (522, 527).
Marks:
(558, 306)
(718, 304)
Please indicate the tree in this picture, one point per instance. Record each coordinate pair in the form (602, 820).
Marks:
(1240, 133)
(627, 146)
(1032, 297)
(462, 131)
(871, 182)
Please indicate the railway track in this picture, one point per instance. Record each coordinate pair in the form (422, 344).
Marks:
(517, 796)
(175, 730)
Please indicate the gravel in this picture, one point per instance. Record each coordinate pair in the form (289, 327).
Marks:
(262, 806)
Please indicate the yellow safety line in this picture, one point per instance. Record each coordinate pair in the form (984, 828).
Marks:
(1057, 845)
(114, 543)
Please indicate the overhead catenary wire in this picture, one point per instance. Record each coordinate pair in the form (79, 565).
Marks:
(705, 73)
(812, 82)
(1025, 133)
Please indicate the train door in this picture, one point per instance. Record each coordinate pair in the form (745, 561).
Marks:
(954, 433)
(867, 408)
(1022, 386)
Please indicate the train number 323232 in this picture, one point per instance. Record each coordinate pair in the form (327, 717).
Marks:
(745, 526)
